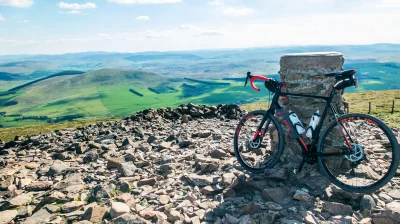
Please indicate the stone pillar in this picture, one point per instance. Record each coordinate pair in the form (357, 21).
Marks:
(303, 74)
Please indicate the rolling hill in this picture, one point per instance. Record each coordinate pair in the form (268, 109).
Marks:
(111, 92)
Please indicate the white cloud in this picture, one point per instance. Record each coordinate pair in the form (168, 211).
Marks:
(7, 41)
(389, 4)
(23, 21)
(76, 6)
(156, 34)
(145, 1)
(2, 18)
(142, 18)
(186, 27)
(217, 2)
(103, 35)
(17, 3)
(211, 33)
(72, 12)
(231, 11)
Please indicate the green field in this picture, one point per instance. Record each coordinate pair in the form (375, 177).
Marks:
(48, 90)
(105, 93)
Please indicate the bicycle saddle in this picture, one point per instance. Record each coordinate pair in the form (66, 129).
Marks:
(342, 73)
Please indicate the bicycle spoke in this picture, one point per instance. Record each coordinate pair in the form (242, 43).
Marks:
(370, 155)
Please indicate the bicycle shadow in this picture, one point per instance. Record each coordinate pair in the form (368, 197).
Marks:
(279, 196)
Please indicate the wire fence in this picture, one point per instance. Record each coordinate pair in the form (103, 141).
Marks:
(392, 107)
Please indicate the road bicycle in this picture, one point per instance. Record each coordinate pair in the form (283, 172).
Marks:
(357, 152)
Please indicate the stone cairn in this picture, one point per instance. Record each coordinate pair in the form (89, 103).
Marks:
(304, 74)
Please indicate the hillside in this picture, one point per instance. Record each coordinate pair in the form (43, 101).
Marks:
(109, 93)
(358, 103)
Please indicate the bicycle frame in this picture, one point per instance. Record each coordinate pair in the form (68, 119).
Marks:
(275, 108)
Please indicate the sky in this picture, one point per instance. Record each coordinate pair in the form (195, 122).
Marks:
(55, 27)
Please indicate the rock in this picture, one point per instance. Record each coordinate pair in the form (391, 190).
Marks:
(390, 215)
(150, 182)
(99, 193)
(218, 154)
(165, 145)
(202, 181)
(71, 180)
(205, 134)
(90, 157)
(301, 195)
(7, 216)
(184, 143)
(385, 198)
(124, 186)
(57, 169)
(311, 219)
(6, 183)
(246, 219)
(278, 195)
(195, 220)
(211, 190)
(337, 208)
(173, 216)
(114, 162)
(118, 209)
(127, 169)
(231, 219)
(39, 186)
(252, 208)
(367, 202)
(127, 141)
(20, 200)
(41, 216)
(25, 211)
(272, 206)
(72, 206)
(277, 174)
(289, 221)
(129, 218)
(94, 214)
(164, 199)
(395, 194)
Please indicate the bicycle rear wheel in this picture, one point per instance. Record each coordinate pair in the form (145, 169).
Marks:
(372, 160)
(255, 155)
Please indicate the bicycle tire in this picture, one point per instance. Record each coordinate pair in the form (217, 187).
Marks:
(279, 150)
(379, 126)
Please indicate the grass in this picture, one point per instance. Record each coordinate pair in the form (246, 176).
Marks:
(8, 134)
(381, 105)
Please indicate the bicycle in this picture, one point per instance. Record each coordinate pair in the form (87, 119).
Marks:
(357, 152)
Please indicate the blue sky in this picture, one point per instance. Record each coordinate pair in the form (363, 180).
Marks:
(52, 27)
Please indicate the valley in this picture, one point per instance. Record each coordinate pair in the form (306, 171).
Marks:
(43, 89)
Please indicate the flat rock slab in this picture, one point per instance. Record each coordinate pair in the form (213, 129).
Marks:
(202, 181)
(20, 200)
(39, 217)
(7, 216)
(337, 208)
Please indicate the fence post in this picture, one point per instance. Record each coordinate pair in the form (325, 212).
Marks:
(369, 108)
(393, 107)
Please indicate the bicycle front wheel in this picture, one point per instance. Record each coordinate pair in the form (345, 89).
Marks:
(258, 149)
(359, 153)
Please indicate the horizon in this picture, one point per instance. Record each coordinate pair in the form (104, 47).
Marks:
(73, 26)
(195, 50)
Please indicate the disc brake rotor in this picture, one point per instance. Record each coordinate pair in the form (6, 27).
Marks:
(358, 153)
(254, 144)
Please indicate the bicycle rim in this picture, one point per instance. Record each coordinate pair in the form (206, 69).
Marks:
(263, 152)
(374, 153)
